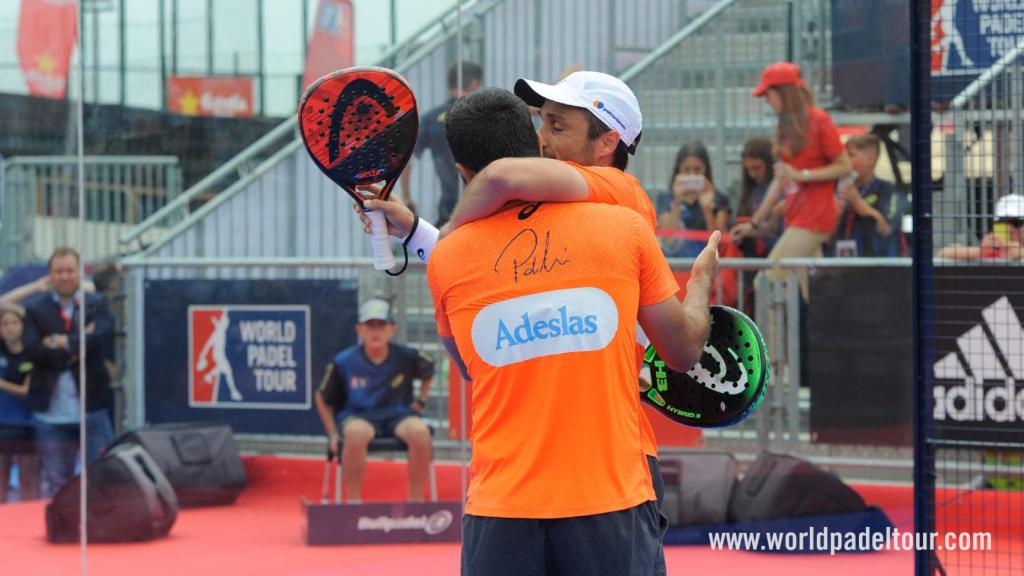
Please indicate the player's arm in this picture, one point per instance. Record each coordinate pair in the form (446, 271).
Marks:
(326, 395)
(518, 179)
(453, 351)
(678, 330)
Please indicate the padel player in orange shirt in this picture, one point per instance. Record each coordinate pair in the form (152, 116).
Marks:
(541, 303)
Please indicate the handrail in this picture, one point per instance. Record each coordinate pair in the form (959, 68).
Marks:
(986, 77)
(286, 126)
(350, 261)
(690, 29)
(89, 160)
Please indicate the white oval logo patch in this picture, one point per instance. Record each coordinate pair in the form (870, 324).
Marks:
(555, 322)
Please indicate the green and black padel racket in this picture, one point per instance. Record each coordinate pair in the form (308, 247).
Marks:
(725, 386)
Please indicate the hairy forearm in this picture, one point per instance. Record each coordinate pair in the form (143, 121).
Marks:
(697, 310)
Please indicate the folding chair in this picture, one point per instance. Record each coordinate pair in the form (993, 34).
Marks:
(377, 445)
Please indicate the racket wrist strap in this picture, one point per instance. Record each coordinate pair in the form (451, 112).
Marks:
(422, 239)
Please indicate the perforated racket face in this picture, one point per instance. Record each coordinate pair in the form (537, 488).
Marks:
(726, 385)
(359, 126)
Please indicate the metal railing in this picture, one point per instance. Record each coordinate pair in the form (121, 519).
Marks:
(696, 86)
(982, 153)
(41, 210)
(782, 422)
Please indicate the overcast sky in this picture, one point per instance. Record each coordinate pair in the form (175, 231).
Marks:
(235, 39)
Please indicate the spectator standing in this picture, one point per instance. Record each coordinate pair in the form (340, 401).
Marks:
(431, 136)
(810, 159)
(758, 173)
(52, 343)
(367, 392)
(17, 435)
(868, 206)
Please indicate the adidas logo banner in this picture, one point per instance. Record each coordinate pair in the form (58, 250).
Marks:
(979, 367)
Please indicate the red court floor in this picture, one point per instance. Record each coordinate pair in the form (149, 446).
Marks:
(261, 536)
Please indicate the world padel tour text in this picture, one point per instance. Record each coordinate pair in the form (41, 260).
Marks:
(269, 352)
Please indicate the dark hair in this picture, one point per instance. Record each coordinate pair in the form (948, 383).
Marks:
(596, 128)
(104, 277)
(696, 150)
(758, 148)
(488, 125)
(62, 252)
(470, 71)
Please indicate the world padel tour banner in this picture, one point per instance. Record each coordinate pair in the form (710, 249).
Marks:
(968, 37)
(249, 353)
(249, 357)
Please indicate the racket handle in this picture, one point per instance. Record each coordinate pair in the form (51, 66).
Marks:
(383, 259)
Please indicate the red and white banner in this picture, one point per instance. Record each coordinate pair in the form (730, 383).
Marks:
(331, 46)
(46, 38)
(209, 96)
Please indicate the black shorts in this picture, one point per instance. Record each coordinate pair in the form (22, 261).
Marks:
(384, 420)
(17, 439)
(623, 543)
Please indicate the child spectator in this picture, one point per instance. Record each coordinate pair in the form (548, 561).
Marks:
(17, 434)
(367, 392)
(868, 206)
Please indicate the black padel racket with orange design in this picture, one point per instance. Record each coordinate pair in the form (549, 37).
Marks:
(359, 125)
(723, 388)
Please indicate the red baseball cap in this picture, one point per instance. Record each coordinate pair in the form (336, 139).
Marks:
(776, 74)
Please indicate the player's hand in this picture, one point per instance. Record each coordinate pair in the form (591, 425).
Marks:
(445, 230)
(399, 218)
(741, 232)
(705, 267)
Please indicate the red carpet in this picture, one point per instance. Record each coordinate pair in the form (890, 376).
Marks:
(260, 536)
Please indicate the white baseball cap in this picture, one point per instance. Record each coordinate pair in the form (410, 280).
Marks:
(375, 309)
(1010, 206)
(603, 95)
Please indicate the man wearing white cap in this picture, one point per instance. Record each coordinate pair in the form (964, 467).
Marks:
(367, 391)
(1006, 242)
(592, 123)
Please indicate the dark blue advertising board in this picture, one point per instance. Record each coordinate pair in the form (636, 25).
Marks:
(244, 352)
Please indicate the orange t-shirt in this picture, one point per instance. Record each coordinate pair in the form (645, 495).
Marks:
(613, 186)
(813, 206)
(542, 303)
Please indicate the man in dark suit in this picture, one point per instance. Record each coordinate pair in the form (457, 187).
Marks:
(52, 342)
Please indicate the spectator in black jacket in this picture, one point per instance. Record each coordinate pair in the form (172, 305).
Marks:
(52, 339)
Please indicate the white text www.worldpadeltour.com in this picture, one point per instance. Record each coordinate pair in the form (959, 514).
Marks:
(836, 542)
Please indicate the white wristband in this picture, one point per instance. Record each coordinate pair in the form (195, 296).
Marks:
(423, 240)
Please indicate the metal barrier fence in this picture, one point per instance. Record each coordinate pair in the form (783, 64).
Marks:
(40, 202)
(968, 332)
(782, 422)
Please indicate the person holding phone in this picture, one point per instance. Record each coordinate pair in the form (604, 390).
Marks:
(695, 203)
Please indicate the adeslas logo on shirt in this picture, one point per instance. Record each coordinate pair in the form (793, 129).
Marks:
(544, 324)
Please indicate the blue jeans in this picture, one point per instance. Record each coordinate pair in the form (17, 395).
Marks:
(58, 448)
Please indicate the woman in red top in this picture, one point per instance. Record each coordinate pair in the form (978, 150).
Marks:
(811, 158)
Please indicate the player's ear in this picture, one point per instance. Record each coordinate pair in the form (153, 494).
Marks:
(466, 173)
(608, 142)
